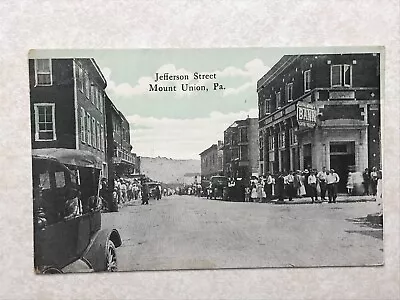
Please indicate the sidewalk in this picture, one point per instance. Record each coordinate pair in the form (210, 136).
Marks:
(340, 199)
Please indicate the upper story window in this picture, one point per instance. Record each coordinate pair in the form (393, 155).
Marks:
(281, 140)
(88, 129)
(43, 72)
(341, 75)
(278, 100)
(79, 76)
(292, 136)
(93, 131)
(289, 92)
(243, 134)
(87, 85)
(83, 125)
(307, 80)
(267, 106)
(101, 100)
(45, 129)
(271, 142)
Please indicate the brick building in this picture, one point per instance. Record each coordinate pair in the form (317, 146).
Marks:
(320, 110)
(241, 150)
(211, 161)
(67, 105)
(124, 162)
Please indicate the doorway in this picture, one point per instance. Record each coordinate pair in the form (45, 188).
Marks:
(342, 159)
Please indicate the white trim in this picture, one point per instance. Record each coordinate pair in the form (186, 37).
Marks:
(305, 80)
(53, 120)
(36, 73)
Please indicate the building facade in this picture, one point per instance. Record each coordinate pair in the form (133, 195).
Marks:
(67, 105)
(241, 149)
(320, 110)
(211, 161)
(124, 162)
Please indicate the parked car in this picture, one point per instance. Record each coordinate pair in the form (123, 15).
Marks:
(68, 236)
(218, 184)
(152, 186)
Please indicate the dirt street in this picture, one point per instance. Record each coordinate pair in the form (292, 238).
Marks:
(187, 232)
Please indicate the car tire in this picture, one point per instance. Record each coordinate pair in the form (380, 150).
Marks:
(111, 257)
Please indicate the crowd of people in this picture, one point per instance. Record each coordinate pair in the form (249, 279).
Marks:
(317, 185)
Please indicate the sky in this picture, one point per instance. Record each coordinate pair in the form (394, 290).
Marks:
(180, 124)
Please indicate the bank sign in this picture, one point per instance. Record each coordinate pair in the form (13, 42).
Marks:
(306, 115)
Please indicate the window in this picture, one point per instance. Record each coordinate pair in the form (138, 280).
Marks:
(101, 100)
(278, 100)
(45, 122)
(341, 75)
(281, 139)
(243, 134)
(88, 129)
(271, 142)
(94, 133)
(79, 76)
(87, 85)
(92, 93)
(292, 136)
(83, 125)
(98, 136)
(102, 138)
(307, 80)
(289, 92)
(267, 106)
(43, 72)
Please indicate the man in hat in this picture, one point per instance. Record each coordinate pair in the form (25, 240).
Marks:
(321, 176)
(332, 180)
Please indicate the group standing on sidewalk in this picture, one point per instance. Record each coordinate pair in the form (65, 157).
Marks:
(320, 185)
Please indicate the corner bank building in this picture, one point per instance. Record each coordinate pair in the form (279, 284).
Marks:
(320, 110)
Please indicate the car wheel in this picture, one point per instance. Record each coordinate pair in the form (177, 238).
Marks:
(111, 257)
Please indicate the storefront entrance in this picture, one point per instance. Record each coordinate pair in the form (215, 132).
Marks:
(342, 159)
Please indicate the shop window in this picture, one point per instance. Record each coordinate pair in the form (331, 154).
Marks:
(43, 72)
(60, 179)
(45, 129)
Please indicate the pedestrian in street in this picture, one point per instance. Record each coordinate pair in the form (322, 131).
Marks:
(289, 185)
(280, 186)
(247, 194)
(374, 180)
(253, 194)
(366, 181)
(268, 186)
(321, 177)
(312, 183)
(350, 184)
(332, 180)
(145, 194)
(306, 173)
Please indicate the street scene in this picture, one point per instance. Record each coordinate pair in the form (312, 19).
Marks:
(187, 232)
(234, 158)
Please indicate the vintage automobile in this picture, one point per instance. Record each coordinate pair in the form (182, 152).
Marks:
(218, 185)
(152, 186)
(68, 236)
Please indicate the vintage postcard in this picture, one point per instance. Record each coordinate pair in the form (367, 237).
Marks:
(177, 159)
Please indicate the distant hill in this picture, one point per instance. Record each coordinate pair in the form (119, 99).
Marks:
(168, 170)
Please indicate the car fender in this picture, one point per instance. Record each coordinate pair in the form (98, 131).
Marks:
(95, 253)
